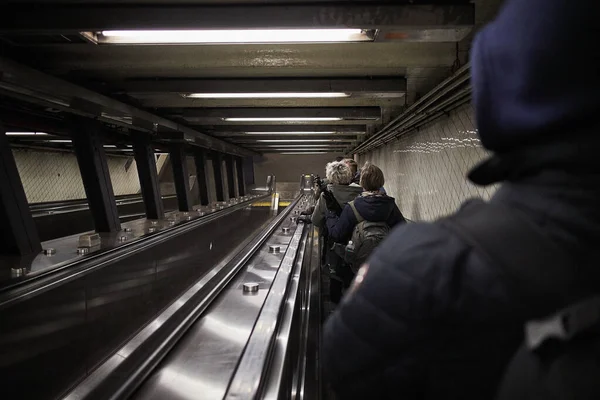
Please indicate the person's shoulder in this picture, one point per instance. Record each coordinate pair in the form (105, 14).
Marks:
(426, 238)
(418, 262)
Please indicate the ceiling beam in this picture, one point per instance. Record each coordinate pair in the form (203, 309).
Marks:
(32, 86)
(56, 18)
(377, 87)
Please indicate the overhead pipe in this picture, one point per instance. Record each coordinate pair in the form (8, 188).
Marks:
(421, 106)
(419, 119)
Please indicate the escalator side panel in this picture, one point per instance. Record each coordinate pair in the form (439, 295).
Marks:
(50, 341)
(60, 224)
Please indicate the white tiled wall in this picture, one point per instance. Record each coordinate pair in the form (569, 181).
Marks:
(425, 170)
(49, 176)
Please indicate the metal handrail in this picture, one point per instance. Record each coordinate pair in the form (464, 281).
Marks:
(416, 110)
(249, 374)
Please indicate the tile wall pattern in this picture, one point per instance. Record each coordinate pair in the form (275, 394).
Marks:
(50, 176)
(426, 170)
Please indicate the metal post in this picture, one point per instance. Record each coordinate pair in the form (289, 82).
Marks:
(200, 160)
(181, 177)
(239, 164)
(217, 160)
(19, 235)
(146, 167)
(230, 175)
(87, 142)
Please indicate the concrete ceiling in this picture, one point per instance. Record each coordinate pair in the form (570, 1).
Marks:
(427, 39)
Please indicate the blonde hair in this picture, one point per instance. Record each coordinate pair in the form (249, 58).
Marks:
(371, 177)
(338, 173)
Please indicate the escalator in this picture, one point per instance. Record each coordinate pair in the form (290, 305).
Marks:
(174, 313)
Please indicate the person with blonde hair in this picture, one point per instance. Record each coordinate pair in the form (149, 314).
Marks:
(339, 176)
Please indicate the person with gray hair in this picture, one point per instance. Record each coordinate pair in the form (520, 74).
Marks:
(339, 176)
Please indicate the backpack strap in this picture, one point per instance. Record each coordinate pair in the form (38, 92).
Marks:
(532, 264)
(359, 217)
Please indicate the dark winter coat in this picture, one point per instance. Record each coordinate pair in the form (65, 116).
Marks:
(372, 208)
(435, 319)
(342, 194)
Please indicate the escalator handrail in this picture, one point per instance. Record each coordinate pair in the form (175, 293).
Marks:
(249, 375)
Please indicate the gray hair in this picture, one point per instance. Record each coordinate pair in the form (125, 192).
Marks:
(338, 173)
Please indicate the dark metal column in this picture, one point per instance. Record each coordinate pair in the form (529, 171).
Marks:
(19, 235)
(239, 166)
(146, 166)
(230, 175)
(87, 141)
(200, 160)
(181, 177)
(217, 160)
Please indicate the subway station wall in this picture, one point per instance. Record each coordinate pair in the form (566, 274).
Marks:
(51, 176)
(289, 167)
(426, 170)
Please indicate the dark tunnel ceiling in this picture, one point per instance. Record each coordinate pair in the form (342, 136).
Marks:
(360, 85)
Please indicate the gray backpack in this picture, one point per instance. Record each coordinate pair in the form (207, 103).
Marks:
(365, 238)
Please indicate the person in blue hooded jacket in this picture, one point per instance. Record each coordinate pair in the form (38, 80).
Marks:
(372, 205)
(431, 317)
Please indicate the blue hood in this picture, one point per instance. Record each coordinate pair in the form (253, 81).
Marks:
(536, 88)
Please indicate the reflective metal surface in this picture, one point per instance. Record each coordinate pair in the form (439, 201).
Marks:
(60, 219)
(248, 376)
(53, 338)
(202, 363)
(66, 247)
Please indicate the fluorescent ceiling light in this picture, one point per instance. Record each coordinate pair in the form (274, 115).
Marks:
(290, 133)
(303, 149)
(59, 141)
(308, 152)
(110, 146)
(288, 119)
(298, 145)
(25, 133)
(293, 140)
(234, 36)
(274, 95)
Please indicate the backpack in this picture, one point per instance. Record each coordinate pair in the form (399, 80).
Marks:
(558, 359)
(365, 238)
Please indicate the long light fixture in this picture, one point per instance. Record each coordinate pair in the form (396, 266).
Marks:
(26, 134)
(307, 152)
(234, 36)
(284, 119)
(59, 141)
(293, 140)
(272, 95)
(290, 133)
(301, 149)
(299, 145)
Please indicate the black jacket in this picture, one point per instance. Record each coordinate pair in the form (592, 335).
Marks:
(373, 208)
(435, 319)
